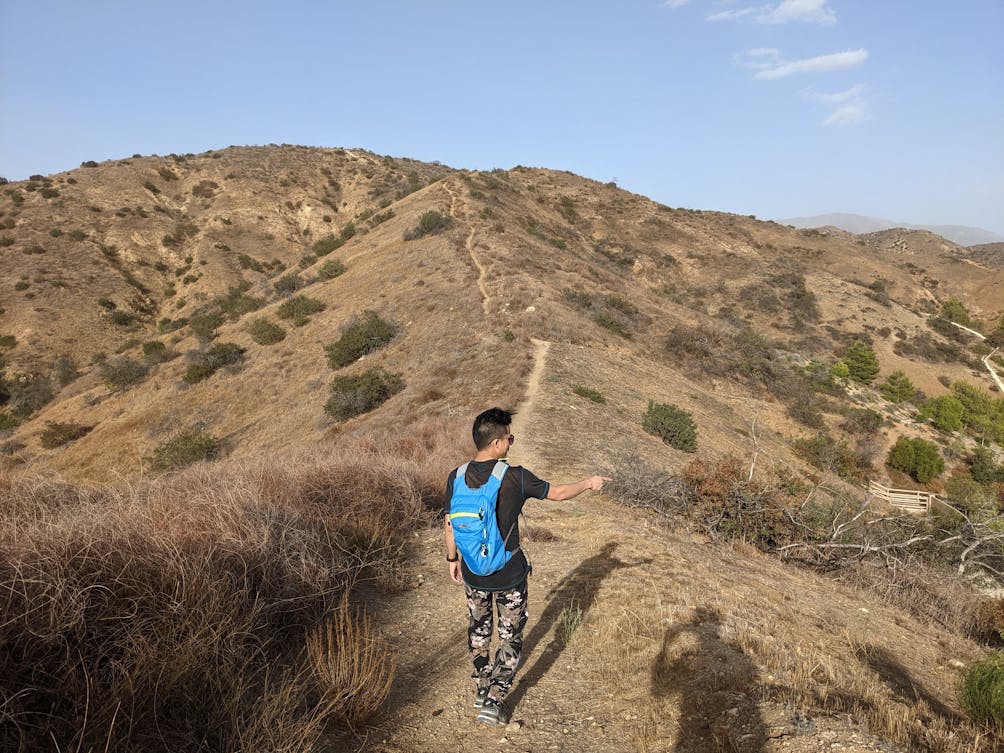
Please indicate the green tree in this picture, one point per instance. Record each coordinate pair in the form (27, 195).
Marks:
(917, 457)
(897, 387)
(983, 468)
(901, 455)
(945, 412)
(861, 362)
(839, 370)
(955, 311)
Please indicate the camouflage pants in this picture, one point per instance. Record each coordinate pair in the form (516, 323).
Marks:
(496, 675)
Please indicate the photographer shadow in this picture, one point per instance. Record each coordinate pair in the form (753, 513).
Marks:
(716, 684)
(576, 591)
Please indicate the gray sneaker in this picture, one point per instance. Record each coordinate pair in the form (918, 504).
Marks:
(493, 712)
(479, 697)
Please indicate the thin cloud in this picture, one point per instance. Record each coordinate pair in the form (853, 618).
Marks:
(676, 3)
(768, 64)
(809, 11)
(846, 115)
(836, 98)
(787, 11)
(732, 15)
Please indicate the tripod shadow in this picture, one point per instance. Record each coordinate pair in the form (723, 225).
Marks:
(577, 590)
(716, 684)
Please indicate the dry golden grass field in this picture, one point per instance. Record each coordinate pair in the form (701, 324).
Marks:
(220, 531)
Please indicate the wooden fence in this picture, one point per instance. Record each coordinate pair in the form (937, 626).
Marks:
(906, 499)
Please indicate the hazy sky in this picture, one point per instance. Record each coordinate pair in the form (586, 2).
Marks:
(779, 108)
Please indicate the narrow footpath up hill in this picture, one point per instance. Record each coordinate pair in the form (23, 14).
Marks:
(645, 639)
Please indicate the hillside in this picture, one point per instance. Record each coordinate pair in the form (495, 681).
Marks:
(856, 223)
(577, 301)
(104, 259)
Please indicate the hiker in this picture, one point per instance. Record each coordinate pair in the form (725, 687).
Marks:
(483, 500)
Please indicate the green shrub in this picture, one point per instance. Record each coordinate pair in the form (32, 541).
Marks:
(122, 318)
(945, 412)
(983, 468)
(674, 425)
(214, 359)
(331, 269)
(429, 223)
(298, 309)
(122, 372)
(353, 395)
(916, 457)
(366, 333)
(266, 332)
(589, 393)
(236, 302)
(8, 341)
(330, 242)
(288, 284)
(154, 351)
(205, 323)
(8, 422)
(861, 362)
(955, 310)
(981, 691)
(64, 370)
(897, 388)
(183, 449)
(56, 434)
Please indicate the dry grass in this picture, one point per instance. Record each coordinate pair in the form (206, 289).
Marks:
(174, 613)
(741, 645)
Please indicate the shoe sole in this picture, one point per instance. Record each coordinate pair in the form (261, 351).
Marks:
(488, 716)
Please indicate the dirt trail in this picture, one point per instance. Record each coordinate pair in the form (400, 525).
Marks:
(620, 617)
(523, 452)
(455, 203)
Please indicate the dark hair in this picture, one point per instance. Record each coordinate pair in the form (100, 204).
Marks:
(490, 425)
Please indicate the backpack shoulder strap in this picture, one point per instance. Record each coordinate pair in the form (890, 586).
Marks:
(500, 468)
(462, 472)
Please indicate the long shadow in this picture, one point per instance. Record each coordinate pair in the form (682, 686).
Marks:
(717, 687)
(577, 590)
(883, 663)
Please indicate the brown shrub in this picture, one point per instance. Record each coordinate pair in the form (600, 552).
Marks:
(161, 612)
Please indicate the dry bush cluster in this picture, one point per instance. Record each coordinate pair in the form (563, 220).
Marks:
(914, 562)
(206, 610)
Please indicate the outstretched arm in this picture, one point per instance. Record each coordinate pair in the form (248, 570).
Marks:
(559, 492)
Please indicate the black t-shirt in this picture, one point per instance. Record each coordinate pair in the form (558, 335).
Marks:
(518, 485)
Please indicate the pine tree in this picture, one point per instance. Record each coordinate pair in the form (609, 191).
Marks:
(897, 387)
(861, 362)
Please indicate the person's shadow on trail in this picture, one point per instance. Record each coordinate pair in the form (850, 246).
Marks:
(716, 684)
(576, 591)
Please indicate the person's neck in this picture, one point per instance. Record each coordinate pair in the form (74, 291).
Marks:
(487, 455)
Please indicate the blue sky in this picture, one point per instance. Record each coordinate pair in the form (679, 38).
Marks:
(779, 108)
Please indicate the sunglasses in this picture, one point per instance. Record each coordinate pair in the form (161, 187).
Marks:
(511, 439)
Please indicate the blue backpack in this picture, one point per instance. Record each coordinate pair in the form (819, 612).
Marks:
(475, 525)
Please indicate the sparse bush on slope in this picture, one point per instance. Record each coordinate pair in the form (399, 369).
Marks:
(364, 334)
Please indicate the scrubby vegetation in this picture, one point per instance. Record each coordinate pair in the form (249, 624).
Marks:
(353, 395)
(183, 449)
(916, 457)
(299, 309)
(364, 334)
(266, 332)
(589, 393)
(57, 433)
(672, 424)
(429, 223)
(212, 360)
(257, 646)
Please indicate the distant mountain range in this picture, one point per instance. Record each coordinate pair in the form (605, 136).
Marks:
(857, 223)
